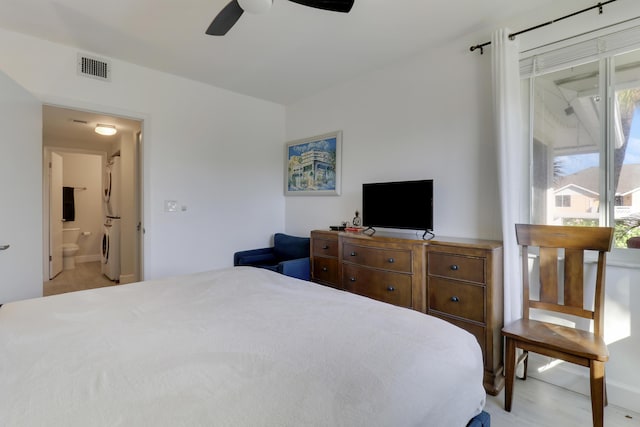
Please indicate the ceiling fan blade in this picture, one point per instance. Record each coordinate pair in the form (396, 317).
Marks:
(332, 5)
(227, 17)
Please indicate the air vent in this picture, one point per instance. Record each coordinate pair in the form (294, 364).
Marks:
(81, 122)
(95, 68)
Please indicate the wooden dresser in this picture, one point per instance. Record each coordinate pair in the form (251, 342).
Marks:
(324, 258)
(458, 280)
(464, 287)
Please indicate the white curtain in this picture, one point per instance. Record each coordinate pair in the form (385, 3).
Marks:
(512, 166)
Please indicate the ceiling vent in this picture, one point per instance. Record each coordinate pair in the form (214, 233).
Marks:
(96, 68)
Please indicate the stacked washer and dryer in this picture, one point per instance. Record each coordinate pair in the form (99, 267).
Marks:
(111, 233)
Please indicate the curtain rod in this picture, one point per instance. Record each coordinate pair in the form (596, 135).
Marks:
(598, 6)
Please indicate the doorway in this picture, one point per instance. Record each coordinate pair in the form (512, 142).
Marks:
(86, 182)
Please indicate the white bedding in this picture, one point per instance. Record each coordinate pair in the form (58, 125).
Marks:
(233, 347)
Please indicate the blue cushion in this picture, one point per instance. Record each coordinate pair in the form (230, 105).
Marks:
(287, 247)
(483, 419)
(252, 259)
(299, 268)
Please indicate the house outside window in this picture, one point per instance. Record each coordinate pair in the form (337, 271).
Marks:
(585, 139)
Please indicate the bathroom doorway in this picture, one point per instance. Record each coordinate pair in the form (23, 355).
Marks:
(90, 244)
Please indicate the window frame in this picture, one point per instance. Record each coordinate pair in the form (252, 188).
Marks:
(601, 46)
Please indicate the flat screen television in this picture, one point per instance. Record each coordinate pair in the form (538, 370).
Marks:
(402, 204)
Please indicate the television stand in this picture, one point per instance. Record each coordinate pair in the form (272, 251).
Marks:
(431, 235)
(370, 231)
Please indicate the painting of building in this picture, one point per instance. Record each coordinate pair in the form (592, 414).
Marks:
(313, 165)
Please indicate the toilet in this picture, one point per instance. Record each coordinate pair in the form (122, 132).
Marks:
(69, 247)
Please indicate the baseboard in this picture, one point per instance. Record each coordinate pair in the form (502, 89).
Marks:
(88, 258)
(576, 378)
(127, 278)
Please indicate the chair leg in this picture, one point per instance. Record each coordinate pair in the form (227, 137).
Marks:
(509, 372)
(525, 364)
(598, 393)
(606, 397)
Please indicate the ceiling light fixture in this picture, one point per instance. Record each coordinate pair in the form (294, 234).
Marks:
(106, 129)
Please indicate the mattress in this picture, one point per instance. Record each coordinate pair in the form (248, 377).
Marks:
(232, 347)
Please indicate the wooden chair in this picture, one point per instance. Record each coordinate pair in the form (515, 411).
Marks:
(561, 342)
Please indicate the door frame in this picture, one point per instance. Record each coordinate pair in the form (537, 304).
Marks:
(142, 173)
(56, 238)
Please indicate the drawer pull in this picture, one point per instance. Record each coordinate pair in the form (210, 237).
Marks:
(391, 288)
(454, 267)
(352, 279)
(325, 247)
(455, 299)
(353, 254)
(391, 260)
(325, 269)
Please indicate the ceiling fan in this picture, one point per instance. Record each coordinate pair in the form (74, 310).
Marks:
(230, 14)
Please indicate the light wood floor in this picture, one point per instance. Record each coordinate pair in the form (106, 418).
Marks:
(86, 275)
(539, 404)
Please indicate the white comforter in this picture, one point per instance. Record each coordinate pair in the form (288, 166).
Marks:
(234, 347)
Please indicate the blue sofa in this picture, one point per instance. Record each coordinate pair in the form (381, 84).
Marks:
(289, 256)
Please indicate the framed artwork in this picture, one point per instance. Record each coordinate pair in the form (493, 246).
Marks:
(313, 166)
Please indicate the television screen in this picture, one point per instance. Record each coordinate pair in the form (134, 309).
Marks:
(404, 204)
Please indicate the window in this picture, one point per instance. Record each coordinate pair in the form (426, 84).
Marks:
(563, 201)
(585, 136)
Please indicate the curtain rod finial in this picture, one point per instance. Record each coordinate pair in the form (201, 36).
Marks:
(472, 48)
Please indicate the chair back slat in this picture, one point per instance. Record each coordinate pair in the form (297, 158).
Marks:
(549, 275)
(574, 278)
(559, 308)
(566, 245)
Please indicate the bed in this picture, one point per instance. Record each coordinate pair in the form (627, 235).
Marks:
(232, 347)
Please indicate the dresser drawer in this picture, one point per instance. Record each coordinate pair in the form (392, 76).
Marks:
(387, 259)
(394, 288)
(457, 298)
(458, 267)
(325, 247)
(477, 331)
(326, 270)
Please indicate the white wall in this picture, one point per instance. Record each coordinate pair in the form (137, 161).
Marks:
(426, 118)
(217, 153)
(85, 170)
(430, 117)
